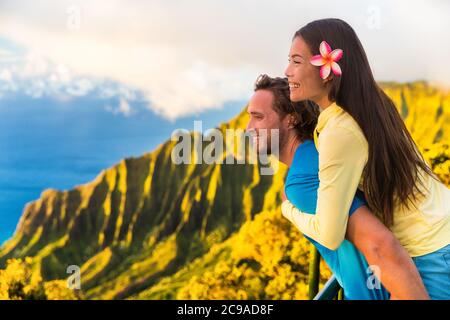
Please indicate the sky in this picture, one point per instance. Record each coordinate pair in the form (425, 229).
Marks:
(183, 57)
(85, 83)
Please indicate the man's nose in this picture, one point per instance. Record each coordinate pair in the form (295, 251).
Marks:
(249, 126)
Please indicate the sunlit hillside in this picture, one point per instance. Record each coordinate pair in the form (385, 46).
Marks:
(148, 229)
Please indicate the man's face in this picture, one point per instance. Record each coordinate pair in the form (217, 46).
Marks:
(263, 116)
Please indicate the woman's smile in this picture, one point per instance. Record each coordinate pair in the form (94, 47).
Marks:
(294, 85)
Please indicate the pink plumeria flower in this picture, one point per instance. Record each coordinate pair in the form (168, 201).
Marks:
(327, 60)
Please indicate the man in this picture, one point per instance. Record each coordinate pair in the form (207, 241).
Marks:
(270, 108)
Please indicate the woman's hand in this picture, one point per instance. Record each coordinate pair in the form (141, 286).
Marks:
(283, 195)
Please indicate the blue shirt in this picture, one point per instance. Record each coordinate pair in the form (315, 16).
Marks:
(346, 262)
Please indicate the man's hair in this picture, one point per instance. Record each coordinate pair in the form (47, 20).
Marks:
(305, 112)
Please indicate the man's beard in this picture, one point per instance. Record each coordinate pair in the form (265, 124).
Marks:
(267, 148)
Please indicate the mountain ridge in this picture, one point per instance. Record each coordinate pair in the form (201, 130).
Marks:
(145, 220)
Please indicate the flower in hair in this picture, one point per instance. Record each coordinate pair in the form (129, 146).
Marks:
(327, 60)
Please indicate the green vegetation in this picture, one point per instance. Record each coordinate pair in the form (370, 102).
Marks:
(148, 229)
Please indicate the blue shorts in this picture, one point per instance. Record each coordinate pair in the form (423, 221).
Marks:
(434, 268)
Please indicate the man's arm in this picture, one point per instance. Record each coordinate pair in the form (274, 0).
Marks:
(381, 248)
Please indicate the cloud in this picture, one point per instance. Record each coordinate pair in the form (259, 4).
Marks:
(186, 57)
(6, 82)
(4, 54)
(123, 108)
(36, 76)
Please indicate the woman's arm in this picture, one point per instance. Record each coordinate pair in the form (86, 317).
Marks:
(398, 273)
(342, 157)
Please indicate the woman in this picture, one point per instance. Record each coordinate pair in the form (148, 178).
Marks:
(271, 108)
(363, 142)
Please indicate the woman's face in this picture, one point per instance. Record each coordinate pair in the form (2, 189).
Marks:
(304, 78)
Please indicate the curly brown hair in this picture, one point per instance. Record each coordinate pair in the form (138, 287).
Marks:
(305, 112)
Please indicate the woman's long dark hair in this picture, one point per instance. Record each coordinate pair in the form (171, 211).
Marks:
(391, 175)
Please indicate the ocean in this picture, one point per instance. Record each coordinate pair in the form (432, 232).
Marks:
(46, 143)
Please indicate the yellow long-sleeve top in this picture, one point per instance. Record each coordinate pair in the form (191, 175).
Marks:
(343, 153)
